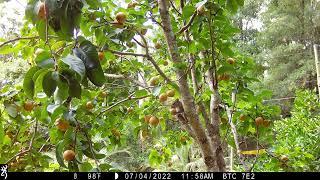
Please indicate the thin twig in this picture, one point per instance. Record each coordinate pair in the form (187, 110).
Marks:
(140, 44)
(184, 28)
(30, 144)
(126, 53)
(122, 101)
(120, 76)
(17, 39)
(174, 7)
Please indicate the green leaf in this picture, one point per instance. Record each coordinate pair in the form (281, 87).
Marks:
(59, 153)
(89, 55)
(61, 92)
(85, 167)
(7, 49)
(49, 85)
(75, 64)
(87, 152)
(38, 82)
(232, 5)
(187, 12)
(74, 88)
(11, 109)
(28, 83)
(93, 3)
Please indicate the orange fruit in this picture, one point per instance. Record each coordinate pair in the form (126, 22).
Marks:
(101, 55)
(154, 121)
(163, 97)
(231, 61)
(28, 106)
(121, 17)
(132, 4)
(242, 117)
(170, 93)
(69, 155)
(62, 124)
(154, 81)
(89, 105)
(147, 118)
(103, 94)
(42, 13)
(259, 121)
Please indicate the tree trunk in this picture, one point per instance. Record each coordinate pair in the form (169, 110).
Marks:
(186, 96)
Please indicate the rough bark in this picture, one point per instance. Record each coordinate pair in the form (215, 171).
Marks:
(186, 97)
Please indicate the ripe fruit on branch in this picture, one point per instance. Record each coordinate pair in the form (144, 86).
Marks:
(28, 106)
(121, 17)
(103, 94)
(89, 105)
(43, 11)
(201, 10)
(259, 121)
(242, 117)
(284, 158)
(163, 97)
(170, 93)
(69, 155)
(224, 77)
(231, 61)
(147, 118)
(101, 55)
(154, 81)
(132, 4)
(115, 132)
(62, 124)
(157, 45)
(154, 121)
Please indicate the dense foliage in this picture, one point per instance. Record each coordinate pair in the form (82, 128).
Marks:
(117, 86)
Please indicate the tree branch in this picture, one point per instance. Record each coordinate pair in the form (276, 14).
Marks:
(154, 63)
(17, 39)
(126, 53)
(140, 44)
(174, 7)
(122, 101)
(21, 38)
(184, 28)
(120, 76)
(30, 144)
